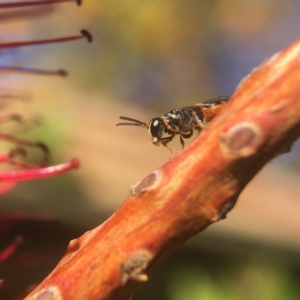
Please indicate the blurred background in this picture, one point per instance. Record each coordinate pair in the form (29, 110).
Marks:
(147, 57)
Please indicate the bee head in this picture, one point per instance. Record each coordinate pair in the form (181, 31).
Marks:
(156, 129)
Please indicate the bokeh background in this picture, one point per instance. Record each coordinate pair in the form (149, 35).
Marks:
(147, 57)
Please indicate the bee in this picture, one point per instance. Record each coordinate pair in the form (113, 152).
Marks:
(182, 122)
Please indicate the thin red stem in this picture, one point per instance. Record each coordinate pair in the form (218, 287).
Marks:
(34, 3)
(6, 159)
(10, 249)
(13, 117)
(7, 186)
(30, 71)
(22, 175)
(84, 34)
(13, 139)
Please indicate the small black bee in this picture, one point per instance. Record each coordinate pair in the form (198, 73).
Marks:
(180, 121)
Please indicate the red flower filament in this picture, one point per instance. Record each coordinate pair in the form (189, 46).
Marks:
(26, 171)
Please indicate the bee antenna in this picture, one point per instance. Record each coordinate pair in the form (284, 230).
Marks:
(130, 124)
(133, 122)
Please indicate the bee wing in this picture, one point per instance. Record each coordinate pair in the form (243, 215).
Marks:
(216, 101)
(187, 108)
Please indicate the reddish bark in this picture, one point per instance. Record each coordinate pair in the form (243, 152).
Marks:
(192, 190)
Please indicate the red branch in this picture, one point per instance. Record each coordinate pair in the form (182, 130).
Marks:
(191, 191)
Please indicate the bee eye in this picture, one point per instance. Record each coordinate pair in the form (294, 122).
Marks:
(156, 127)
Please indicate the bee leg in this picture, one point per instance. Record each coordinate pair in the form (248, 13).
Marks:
(166, 140)
(164, 144)
(169, 128)
(186, 136)
(182, 141)
(199, 122)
